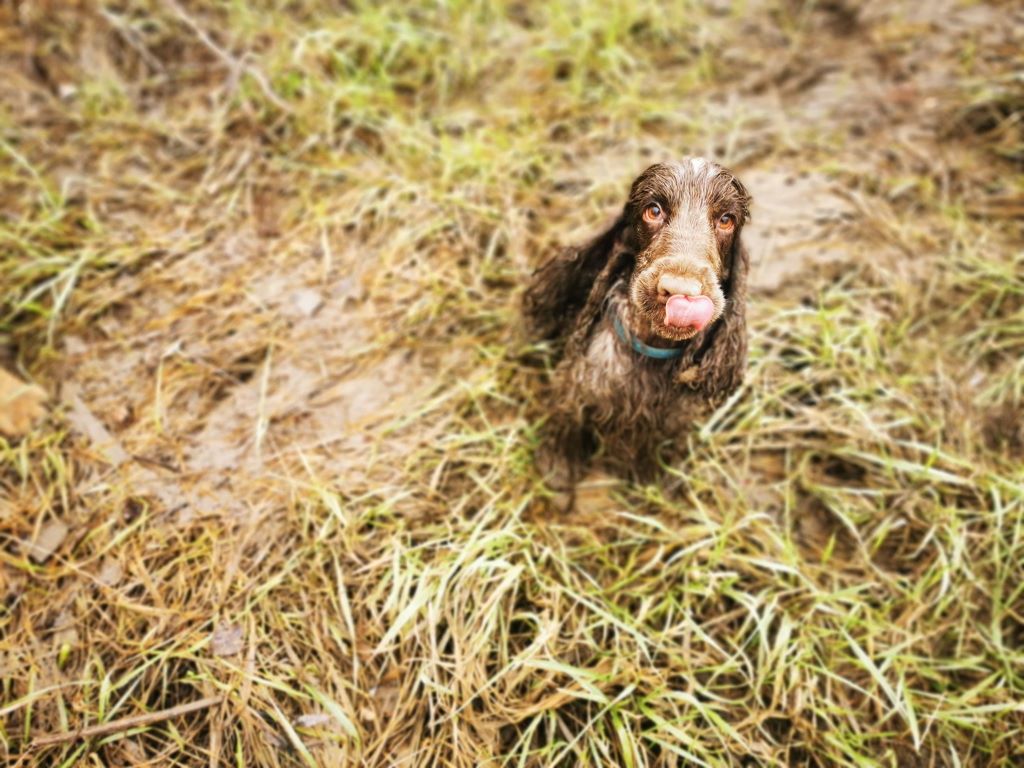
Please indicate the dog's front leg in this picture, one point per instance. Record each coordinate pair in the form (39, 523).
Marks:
(563, 455)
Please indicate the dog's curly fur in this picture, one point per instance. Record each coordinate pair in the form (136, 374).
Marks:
(606, 397)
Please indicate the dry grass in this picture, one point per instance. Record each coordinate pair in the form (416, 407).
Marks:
(266, 256)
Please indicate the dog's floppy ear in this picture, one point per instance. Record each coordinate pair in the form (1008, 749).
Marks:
(725, 358)
(559, 289)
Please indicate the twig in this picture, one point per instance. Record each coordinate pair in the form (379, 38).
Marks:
(132, 38)
(233, 64)
(104, 729)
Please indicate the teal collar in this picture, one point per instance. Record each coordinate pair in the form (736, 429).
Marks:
(658, 353)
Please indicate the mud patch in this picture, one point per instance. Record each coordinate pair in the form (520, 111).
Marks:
(796, 226)
(243, 369)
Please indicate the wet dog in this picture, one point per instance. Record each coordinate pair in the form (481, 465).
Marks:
(650, 317)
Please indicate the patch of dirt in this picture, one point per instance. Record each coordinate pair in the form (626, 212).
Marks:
(243, 383)
(795, 226)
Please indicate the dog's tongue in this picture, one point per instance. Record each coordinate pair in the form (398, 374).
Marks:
(688, 311)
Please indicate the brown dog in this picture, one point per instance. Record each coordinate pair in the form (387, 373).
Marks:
(652, 314)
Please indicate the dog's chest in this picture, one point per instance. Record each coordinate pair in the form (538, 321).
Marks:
(607, 361)
(621, 388)
(618, 380)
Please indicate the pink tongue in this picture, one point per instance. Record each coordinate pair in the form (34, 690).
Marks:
(688, 311)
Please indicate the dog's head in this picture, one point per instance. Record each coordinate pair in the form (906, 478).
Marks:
(676, 244)
(682, 222)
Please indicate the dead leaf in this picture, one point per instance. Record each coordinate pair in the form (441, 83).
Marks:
(227, 640)
(133, 751)
(20, 404)
(387, 697)
(110, 574)
(50, 538)
(65, 632)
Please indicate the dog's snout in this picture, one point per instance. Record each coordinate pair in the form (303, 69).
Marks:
(677, 285)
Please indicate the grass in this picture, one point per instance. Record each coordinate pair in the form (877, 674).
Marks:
(266, 257)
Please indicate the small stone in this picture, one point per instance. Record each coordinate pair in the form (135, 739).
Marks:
(307, 301)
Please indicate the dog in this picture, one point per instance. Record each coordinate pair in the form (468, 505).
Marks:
(647, 321)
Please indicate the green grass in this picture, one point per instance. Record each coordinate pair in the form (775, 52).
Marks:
(330, 519)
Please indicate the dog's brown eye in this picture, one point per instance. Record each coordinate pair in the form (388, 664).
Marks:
(653, 213)
(726, 222)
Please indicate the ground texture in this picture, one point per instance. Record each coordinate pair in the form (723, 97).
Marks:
(265, 258)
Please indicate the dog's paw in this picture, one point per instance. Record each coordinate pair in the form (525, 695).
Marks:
(20, 405)
(559, 480)
(562, 501)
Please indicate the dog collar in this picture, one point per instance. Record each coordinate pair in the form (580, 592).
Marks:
(658, 353)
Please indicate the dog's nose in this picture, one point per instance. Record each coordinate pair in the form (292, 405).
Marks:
(674, 285)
